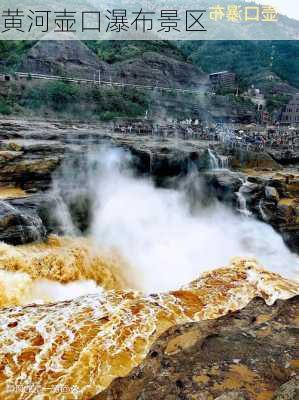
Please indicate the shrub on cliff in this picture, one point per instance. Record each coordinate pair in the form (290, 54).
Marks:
(5, 109)
(80, 101)
(56, 95)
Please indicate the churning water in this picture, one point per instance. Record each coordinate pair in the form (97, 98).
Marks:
(166, 243)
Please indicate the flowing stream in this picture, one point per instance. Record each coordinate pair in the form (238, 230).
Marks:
(242, 201)
(217, 161)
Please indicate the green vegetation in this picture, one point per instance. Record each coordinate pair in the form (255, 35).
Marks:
(116, 50)
(56, 95)
(286, 61)
(252, 61)
(114, 102)
(269, 65)
(276, 102)
(5, 108)
(11, 53)
(72, 100)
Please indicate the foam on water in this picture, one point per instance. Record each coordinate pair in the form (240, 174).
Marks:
(89, 341)
(18, 288)
(167, 243)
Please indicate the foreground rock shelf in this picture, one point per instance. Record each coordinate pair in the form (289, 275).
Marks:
(249, 354)
(84, 345)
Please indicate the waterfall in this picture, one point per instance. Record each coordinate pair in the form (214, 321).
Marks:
(242, 201)
(262, 212)
(35, 227)
(214, 164)
(223, 160)
(151, 158)
(217, 161)
(64, 217)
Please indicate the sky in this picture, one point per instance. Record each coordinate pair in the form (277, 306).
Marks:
(286, 7)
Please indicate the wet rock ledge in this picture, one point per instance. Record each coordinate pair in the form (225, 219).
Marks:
(250, 354)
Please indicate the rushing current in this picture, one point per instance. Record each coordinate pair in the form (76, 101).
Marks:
(166, 242)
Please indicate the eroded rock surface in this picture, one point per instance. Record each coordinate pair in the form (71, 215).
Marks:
(31, 154)
(272, 197)
(73, 58)
(245, 355)
(288, 391)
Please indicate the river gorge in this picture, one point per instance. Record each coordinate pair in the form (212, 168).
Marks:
(121, 256)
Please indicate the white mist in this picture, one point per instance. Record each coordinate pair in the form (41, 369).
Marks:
(165, 244)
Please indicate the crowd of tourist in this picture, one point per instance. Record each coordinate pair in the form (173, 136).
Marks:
(252, 137)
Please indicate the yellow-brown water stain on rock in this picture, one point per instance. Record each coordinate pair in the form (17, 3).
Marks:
(182, 342)
(11, 192)
(241, 377)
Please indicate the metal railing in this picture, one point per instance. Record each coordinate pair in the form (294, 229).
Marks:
(95, 82)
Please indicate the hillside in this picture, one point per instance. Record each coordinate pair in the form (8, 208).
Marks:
(270, 66)
(116, 50)
(252, 61)
(73, 58)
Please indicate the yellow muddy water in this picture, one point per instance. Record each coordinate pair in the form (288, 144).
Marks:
(37, 272)
(81, 345)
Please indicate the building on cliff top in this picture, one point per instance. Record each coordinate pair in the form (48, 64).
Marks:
(223, 79)
(290, 114)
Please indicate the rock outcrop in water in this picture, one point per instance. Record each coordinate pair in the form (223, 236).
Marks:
(81, 346)
(22, 219)
(272, 197)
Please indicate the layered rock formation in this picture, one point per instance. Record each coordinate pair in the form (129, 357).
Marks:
(57, 57)
(72, 58)
(37, 150)
(32, 153)
(75, 349)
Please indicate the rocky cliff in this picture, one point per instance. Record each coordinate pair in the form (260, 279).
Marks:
(271, 196)
(55, 57)
(74, 59)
